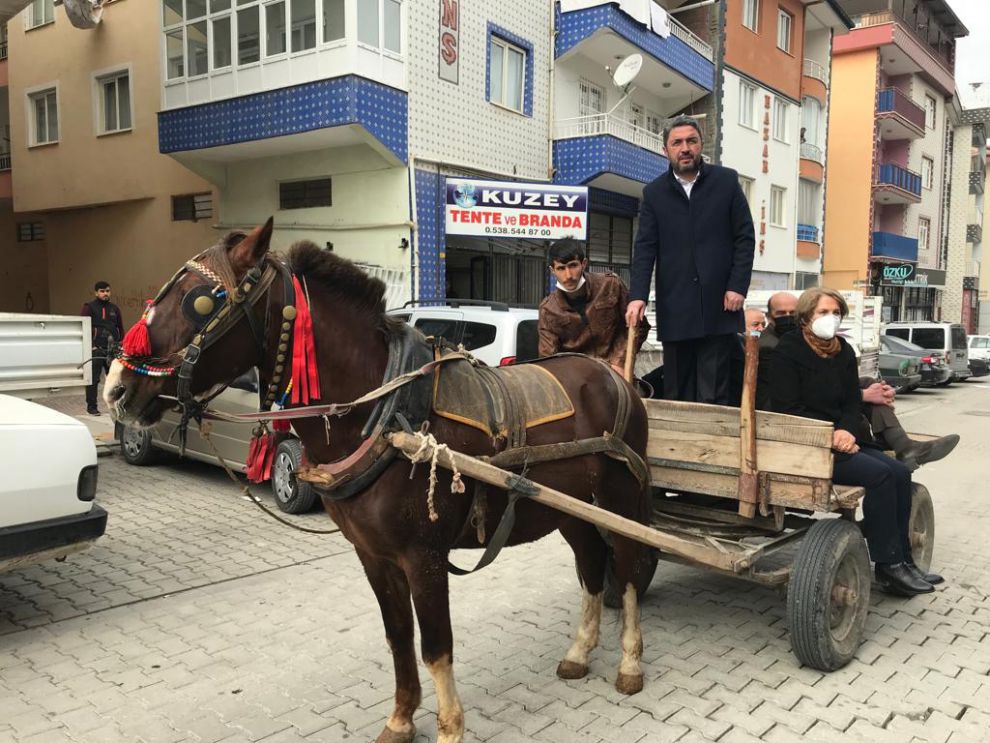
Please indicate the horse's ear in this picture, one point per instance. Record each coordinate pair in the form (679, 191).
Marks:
(249, 251)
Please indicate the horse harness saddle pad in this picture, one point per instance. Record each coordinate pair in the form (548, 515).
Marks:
(503, 402)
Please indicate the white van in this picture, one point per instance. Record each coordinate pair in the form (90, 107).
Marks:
(950, 338)
(979, 347)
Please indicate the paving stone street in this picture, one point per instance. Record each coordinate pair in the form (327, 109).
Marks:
(198, 618)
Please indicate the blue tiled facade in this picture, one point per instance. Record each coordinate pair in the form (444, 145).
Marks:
(580, 159)
(520, 42)
(431, 235)
(577, 25)
(341, 101)
(895, 247)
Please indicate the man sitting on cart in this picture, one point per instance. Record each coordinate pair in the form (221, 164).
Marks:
(586, 312)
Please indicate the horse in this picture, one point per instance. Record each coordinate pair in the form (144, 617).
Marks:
(401, 529)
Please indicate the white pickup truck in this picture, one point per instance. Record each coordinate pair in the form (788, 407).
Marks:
(41, 355)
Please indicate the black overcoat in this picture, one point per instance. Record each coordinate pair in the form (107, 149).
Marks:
(701, 247)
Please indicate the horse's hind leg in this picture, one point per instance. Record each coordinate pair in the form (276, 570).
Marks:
(392, 591)
(590, 554)
(428, 581)
(630, 677)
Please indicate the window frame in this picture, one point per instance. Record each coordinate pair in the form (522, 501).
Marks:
(306, 196)
(35, 231)
(32, 95)
(774, 190)
(781, 16)
(927, 222)
(194, 214)
(100, 79)
(933, 110)
(744, 88)
(586, 85)
(29, 24)
(753, 6)
(746, 186)
(780, 127)
(929, 182)
(507, 46)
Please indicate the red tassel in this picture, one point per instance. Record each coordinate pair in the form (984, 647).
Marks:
(305, 371)
(281, 426)
(137, 342)
(259, 460)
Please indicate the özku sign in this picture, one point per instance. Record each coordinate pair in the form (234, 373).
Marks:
(450, 53)
(534, 211)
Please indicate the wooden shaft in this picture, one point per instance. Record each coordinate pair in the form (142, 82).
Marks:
(724, 557)
(630, 353)
(748, 481)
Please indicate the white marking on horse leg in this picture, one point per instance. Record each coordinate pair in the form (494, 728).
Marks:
(630, 678)
(112, 380)
(575, 663)
(450, 713)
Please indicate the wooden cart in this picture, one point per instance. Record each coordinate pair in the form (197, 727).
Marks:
(783, 532)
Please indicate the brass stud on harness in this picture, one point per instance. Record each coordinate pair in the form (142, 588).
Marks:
(289, 313)
(284, 337)
(283, 347)
(279, 368)
(204, 305)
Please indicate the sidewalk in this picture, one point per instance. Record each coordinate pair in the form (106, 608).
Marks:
(74, 404)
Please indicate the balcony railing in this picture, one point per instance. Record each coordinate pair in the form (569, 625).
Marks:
(816, 70)
(3, 50)
(704, 49)
(974, 233)
(883, 17)
(972, 268)
(894, 175)
(894, 246)
(807, 232)
(892, 100)
(596, 124)
(4, 161)
(812, 152)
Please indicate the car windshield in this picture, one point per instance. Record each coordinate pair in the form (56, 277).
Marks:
(893, 344)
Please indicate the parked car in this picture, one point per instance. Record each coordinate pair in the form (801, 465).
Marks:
(47, 508)
(900, 370)
(979, 367)
(492, 331)
(142, 446)
(949, 338)
(933, 368)
(979, 355)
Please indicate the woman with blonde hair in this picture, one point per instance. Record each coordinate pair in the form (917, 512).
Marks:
(815, 375)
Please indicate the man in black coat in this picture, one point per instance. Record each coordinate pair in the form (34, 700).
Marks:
(108, 330)
(696, 229)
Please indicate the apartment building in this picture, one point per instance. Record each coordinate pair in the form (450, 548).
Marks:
(92, 197)
(775, 85)
(889, 135)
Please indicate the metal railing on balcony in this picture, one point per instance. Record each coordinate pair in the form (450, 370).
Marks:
(682, 33)
(893, 100)
(974, 233)
(816, 70)
(812, 152)
(4, 161)
(889, 174)
(596, 124)
(807, 232)
(942, 54)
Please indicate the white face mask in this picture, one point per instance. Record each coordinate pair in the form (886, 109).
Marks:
(576, 288)
(826, 326)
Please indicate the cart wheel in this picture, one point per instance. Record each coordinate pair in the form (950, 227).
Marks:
(828, 595)
(921, 528)
(649, 557)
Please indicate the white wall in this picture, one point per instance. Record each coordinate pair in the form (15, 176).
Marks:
(933, 146)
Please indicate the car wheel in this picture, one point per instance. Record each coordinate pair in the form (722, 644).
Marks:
(136, 446)
(291, 496)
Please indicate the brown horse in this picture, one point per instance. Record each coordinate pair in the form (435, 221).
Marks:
(404, 552)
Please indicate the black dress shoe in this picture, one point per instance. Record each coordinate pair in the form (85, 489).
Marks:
(899, 580)
(933, 578)
(93, 411)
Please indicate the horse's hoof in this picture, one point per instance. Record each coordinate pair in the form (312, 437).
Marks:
(391, 736)
(628, 684)
(568, 669)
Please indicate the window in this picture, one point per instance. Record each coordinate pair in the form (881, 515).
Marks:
(305, 194)
(654, 123)
(747, 105)
(931, 108)
(777, 198)
(780, 109)
(115, 102)
(44, 117)
(751, 14)
(929, 338)
(304, 24)
(192, 207)
(333, 19)
(809, 202)
(592, 99)
(927, 172)
(635, 115)
(379, 24)
(746, 184)
(477, 334)
(30, 231)
(610, 240)
(439, 328)
(507, 74)
(924, 230)
(40, 13)
(275, 29)
(811, 121)
(784, 23)
(248, 35)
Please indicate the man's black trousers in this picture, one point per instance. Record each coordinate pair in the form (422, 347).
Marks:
(699, 370)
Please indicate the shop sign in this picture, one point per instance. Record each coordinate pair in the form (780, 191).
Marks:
(908, 274)
(535, 211)
(450, 33)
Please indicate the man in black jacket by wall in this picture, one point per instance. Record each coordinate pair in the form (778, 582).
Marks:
(108, 329)
(696, 229)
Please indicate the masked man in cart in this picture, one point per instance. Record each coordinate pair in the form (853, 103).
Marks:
(586, 312)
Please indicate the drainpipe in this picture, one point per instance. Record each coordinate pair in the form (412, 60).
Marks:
(550, 110)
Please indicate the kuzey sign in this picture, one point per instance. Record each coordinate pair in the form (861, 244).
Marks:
(535, 211)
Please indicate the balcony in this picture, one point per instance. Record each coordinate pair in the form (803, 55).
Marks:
(893, 247)
(974, 233)
(943, 53)
(896, 185)
(816, 71)
(677, 65)
(606, 152)
(812, 152)
(808, 233)
(972, 269)
(4, 161)
(3, 50)
(977, 179)
(898, 117)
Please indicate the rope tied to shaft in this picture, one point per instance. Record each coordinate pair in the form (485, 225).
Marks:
(430, 449)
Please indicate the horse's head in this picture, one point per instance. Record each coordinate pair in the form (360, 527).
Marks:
(197, 337)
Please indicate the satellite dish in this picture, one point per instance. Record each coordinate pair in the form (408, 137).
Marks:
(84, 13)
(627, 70)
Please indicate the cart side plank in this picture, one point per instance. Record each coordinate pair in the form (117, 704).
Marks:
(809, 493)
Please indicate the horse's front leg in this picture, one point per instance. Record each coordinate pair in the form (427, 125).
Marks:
(428, 581)
(392, 591)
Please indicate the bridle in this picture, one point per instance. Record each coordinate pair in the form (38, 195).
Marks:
(214, 309)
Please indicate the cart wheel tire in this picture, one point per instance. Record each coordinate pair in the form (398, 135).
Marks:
(649, 557)
(829, 594)
(136, 446)
(291, 496)
(921, 527)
